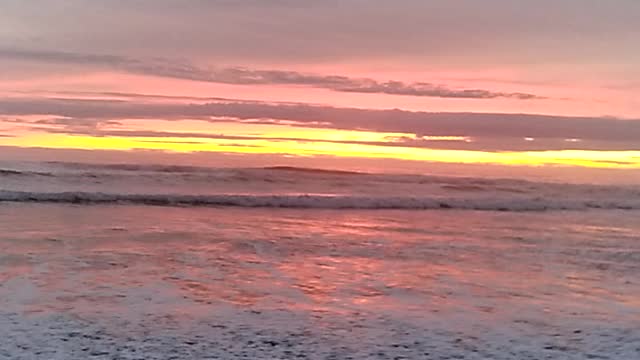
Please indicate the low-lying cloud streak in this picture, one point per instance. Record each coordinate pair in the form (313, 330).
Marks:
(244, 76)
(489, 132)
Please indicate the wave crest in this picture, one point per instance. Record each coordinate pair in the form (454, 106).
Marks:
(316, 201)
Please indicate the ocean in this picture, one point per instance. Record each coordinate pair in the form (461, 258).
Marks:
(158, 262)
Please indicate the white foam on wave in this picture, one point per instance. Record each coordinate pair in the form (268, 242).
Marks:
(321, 201)
(288, 187)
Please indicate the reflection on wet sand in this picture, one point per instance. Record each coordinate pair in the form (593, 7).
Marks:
(363, 275)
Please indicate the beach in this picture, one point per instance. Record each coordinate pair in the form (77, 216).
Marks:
(322, 180)
(173, 282)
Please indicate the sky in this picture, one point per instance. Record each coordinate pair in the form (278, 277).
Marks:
(460, 86)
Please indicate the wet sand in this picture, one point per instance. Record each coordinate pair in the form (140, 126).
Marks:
(125, 282)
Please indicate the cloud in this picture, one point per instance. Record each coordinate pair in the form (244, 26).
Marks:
(490, 132)
(502, 32)
(245, 76)
(77, 122)
(409, 142)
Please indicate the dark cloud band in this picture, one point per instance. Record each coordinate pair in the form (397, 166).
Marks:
(245, 76)
(489, 132)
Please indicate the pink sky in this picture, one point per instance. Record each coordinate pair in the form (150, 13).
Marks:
(323, 73)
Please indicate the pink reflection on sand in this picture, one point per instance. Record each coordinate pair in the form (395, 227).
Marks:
(191, 261)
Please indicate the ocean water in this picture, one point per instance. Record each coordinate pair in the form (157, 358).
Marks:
(162, 262)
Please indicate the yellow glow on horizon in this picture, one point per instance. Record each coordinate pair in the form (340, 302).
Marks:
(235, 128)
(584, 158)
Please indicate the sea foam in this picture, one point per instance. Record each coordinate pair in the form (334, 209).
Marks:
(302, 201)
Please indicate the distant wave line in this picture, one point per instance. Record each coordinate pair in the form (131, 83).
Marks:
(317, 201)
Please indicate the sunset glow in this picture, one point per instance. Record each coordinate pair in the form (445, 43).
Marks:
(394, 101)
(596, 159)
(319, 179)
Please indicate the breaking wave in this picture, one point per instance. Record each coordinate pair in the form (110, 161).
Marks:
(10, 172)
(317, 201)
